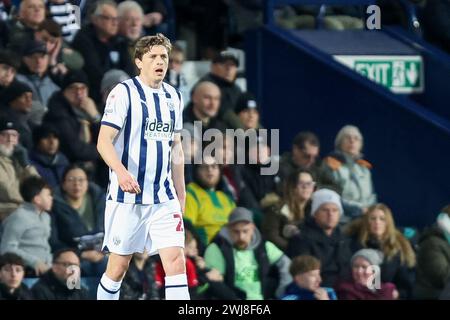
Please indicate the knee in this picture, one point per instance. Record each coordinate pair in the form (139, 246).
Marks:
(117, 271)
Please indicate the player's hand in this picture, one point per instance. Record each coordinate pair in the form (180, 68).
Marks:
(128, 183)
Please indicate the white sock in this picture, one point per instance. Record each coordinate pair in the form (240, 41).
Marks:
(176, 287)
(108, 289)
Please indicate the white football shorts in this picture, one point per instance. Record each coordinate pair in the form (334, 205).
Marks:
(131, 228)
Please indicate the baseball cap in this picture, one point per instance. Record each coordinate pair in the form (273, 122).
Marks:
(246, 101)
(240, 214)
(224, 56)
(34, 46)
(8, 58)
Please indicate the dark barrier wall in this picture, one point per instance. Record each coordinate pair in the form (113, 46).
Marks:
(300, 88)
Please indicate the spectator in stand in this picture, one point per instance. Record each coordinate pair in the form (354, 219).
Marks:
(35, 73)
(79, 211)
(60, 282)
(347, 168)
(30, 16)
(76, 117)
(251, 267)
(101, 47)
(14, 167)
(17, 99)
(8, 68)
(363, 285)
(46, 157)
(27, 230)
(223, 73)
(305, 270)
(131, 18)
(110, 79)
(63, 12)
(433, 258)
(376, 230)
(175, 75)
(283, 217)
(248, 111)
(154, 14)
(207, 208)
(12, 271)
(322, 238)
(140, 281)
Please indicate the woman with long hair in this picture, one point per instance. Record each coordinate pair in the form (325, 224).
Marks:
(376, 230)
(282, 217)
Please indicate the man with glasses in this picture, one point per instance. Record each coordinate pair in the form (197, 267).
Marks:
(62, 281)
(14, 166)
(101, 47)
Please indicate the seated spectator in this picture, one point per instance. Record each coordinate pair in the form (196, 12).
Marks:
(46, 157)
(131, 18)
(140, 282)
(223, 73)
(62, 57)
(26, 231)
(14, 167)
(305, 270)
(376, 230)
(110, 79)
(175, 75)
(12, 271)
(78, 210)
(248, 111)
(347, 168)
(8, 68)
(322, 238)
(63, 13)
(363, 285)
(154, 14)
(74, 114)
(101, 47)
(253, 268)
(283, 217)
(304, 155)
(35, 72)
(433, 258)
(18, 100)
(204, 107)
(31, 14)
(207, 208)
(61, 282)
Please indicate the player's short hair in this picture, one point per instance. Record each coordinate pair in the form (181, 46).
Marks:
(146, 43)
(302, 264)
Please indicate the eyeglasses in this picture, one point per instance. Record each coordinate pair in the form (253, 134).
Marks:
(66, 264)
(108, 18)
(75, 179)
(309, 184)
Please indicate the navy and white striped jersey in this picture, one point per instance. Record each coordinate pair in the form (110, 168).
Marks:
(64, 15)
(146, 119)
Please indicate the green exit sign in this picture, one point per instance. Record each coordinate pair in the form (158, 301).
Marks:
(401, 74)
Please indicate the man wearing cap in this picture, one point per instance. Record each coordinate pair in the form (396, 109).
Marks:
(248, 111)
(223, 73)
(34, 73)
(253, 268)
(17, 100)
(12, 170)
(8, 68)
(74, 114)
(46, 157)
(321, 237)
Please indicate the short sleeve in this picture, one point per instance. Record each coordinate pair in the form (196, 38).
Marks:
(116, 108)
(179, 120)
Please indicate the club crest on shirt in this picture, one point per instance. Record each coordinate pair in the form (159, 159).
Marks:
(170, 105)
(158, 130)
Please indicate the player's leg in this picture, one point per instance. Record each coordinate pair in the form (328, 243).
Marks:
(109, 286)
(174, 265)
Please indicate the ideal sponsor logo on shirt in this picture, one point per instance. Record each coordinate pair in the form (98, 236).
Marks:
(156, 130)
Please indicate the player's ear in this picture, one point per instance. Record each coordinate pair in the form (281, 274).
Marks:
(138, 63)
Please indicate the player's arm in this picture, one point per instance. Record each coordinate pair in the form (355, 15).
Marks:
(106, 149)
(178, 170)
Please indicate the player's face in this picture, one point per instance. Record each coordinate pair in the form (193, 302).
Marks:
(154, 63)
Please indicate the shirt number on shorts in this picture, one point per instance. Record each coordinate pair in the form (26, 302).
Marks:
(180, 223)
